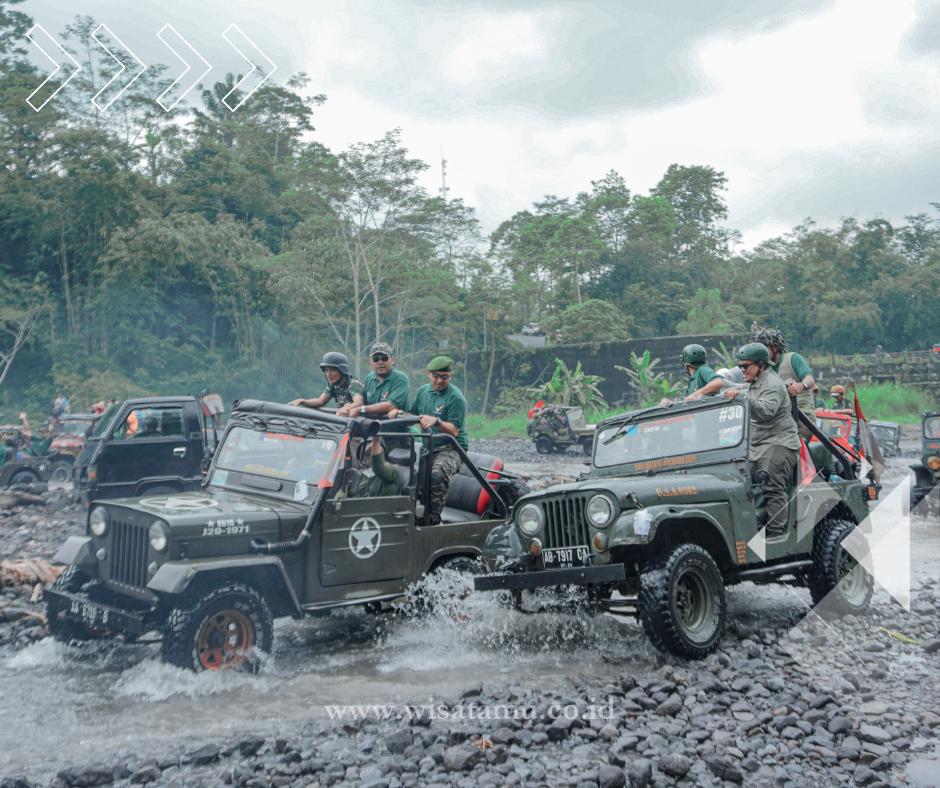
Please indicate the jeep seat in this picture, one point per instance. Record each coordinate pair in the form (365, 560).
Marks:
(465, 494)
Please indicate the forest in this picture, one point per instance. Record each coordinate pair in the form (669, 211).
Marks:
(147, 251)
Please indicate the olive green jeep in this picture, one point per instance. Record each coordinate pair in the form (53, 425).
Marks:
(927, 471)
(556, 427)
(671, 512)
(268, 536)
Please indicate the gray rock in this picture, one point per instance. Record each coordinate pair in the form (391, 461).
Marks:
(670, 707)
(461, 758)
(559, 729)
(399, 741)
(839, 725)
(86, 776)
(146, 774)
(640, 773)
(874, 708)
(724, 770)
(608, 732)
(873, 734)
(611, 777)
(864, 776)
(203, 756)
(674, 764)
(250, 746)
(932, 646)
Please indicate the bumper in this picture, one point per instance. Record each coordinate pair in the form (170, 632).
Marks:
(80, 609)
(577, 575)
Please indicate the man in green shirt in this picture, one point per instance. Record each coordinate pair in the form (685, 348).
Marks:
(793, 370)
(340, 386)
(383, 480)
(386, 388)
(703, 380)
(442, 409)
(36, 446)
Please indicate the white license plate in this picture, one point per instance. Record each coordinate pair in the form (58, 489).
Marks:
(565, 556)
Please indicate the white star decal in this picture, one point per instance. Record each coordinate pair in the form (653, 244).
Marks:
(365, 537)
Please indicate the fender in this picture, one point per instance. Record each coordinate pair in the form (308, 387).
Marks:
(265, 572)
(660, 516)
(77, 551)
(922, 476)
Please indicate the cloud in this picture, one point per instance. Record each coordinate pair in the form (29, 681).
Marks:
(493, 47)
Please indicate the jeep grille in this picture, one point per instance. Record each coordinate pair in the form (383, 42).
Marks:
(565, 525)
(129, 545)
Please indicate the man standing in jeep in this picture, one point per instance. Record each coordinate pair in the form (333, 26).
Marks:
(340, 387)
(794, 371)
(703, 380)
(386, 388)
(774, 443)
(442, 408)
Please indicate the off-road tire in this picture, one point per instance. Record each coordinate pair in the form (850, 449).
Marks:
(198, 612)
(24, 479)
(544, 444)
(685, 574)
(60, 472)
(71, 580)
(587, 445)
(830, 564)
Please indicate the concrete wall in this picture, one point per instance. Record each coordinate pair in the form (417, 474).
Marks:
(920, 369)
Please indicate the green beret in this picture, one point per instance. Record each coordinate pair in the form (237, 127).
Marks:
(440, 364)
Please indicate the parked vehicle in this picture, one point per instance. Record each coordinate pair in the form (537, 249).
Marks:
(70, 433)
(556, 427)
(927, 471)
(666, 517)
(18, 469)
(144, 446)
(888, 435)
(532, 330)
(267, 536)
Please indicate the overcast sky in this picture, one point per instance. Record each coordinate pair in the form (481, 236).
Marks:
(822, 108)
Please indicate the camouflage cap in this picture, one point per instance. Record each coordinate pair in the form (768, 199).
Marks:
(440, 364)
(380, 347)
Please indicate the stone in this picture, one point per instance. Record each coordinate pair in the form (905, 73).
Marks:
(674, 764)
(461, 758)
(611, 777)
(146, 774)
(724, 770)
(839, 725)
(86, 776)
(203, 756)
(931, 646)
(873, 734)
(670, 707)
(640, 773)
(503, 736)
(250, 746)
(609, 732)
(864, 776)
(873, 708)
(559, 729)
(399, 741)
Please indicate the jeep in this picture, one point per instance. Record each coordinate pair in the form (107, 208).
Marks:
(267, 536)
(19, 470)
(927, 471)
(556, 427)
(671, 512)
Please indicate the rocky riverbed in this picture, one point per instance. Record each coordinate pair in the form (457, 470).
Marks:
(481, 695)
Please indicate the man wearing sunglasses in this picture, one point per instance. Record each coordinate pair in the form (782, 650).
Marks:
(386, 388)
(774, 443)
(443, 409)
(794, 371)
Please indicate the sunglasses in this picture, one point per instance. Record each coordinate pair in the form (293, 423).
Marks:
(379, 357)
(441, 375)
(744, 367)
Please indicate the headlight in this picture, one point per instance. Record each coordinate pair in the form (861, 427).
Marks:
(600, 511)
(98, 521)
(933, 463)
(530, 519)
(158, 536)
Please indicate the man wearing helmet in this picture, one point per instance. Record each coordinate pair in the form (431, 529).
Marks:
(774, 442)
(343, 389)
(702, 378)
(793, 370)
(839, 402)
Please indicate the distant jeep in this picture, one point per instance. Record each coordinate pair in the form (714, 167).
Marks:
(19, 470)
(927, 471)
(266, 536)
(556, 427)
(667, 517)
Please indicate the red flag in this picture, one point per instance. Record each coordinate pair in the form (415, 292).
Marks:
(537, 406)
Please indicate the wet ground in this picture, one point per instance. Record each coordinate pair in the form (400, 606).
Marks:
(103, 702)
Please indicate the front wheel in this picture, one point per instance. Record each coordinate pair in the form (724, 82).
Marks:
(61, 472)
(682, 602)
(24, 479)
(544, 444)
(836, 575)
(221, 629)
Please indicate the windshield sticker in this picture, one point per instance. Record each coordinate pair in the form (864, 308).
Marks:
(365, 538)
(220, 478)
(729, 436)
(300, 490)
(668, 462)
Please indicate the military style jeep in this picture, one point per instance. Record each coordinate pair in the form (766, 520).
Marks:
(266, 536)
(927, 471)
(667, 517)
(556, 427)
(18, 469)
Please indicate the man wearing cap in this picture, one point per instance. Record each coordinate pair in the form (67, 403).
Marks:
(386, 388)
(341, 387)
(839, 402)
(774, 442)
(442, 409)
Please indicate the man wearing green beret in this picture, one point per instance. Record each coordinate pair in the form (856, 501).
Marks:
(442, 409)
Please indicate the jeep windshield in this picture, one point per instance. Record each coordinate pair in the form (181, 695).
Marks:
(678, 437)
(276, 455)
(932, 427)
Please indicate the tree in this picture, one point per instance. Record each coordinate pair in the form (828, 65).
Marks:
(708, 314)
(648, 383)
(592, 321)
(571, 387)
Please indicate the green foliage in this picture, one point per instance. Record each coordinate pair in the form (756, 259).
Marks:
(513, 400)
(891, 402)
(708, 314)
(571, 387)
(727, 357)
(592, 321)
(648, 383)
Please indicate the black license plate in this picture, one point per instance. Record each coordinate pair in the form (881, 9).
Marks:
(565, 556)
(88, 613)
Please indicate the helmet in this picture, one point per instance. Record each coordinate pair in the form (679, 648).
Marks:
(693, 354)
(754, 351)
(770, 337)
(334, 359)
(837, 390)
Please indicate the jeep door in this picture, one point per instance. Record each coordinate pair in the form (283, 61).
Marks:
(148, 445)
(367, 541)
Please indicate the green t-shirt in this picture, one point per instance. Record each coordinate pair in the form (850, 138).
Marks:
(344, 391)
(448, 405)
(39, 447)
(704, 374)
(394, 388)
(801, 367)
(384, 482)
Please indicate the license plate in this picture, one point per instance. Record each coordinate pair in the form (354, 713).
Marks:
(565, 556)
(89, 613)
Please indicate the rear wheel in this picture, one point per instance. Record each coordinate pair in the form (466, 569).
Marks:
(544, 444)
(221, 629)
(682, 602)
(24, 479)
(61, 629)
(836, 575)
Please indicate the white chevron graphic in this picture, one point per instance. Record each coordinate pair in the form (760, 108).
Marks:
(254, 68)
(58, 66)
(163, 95)
(114, 57)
